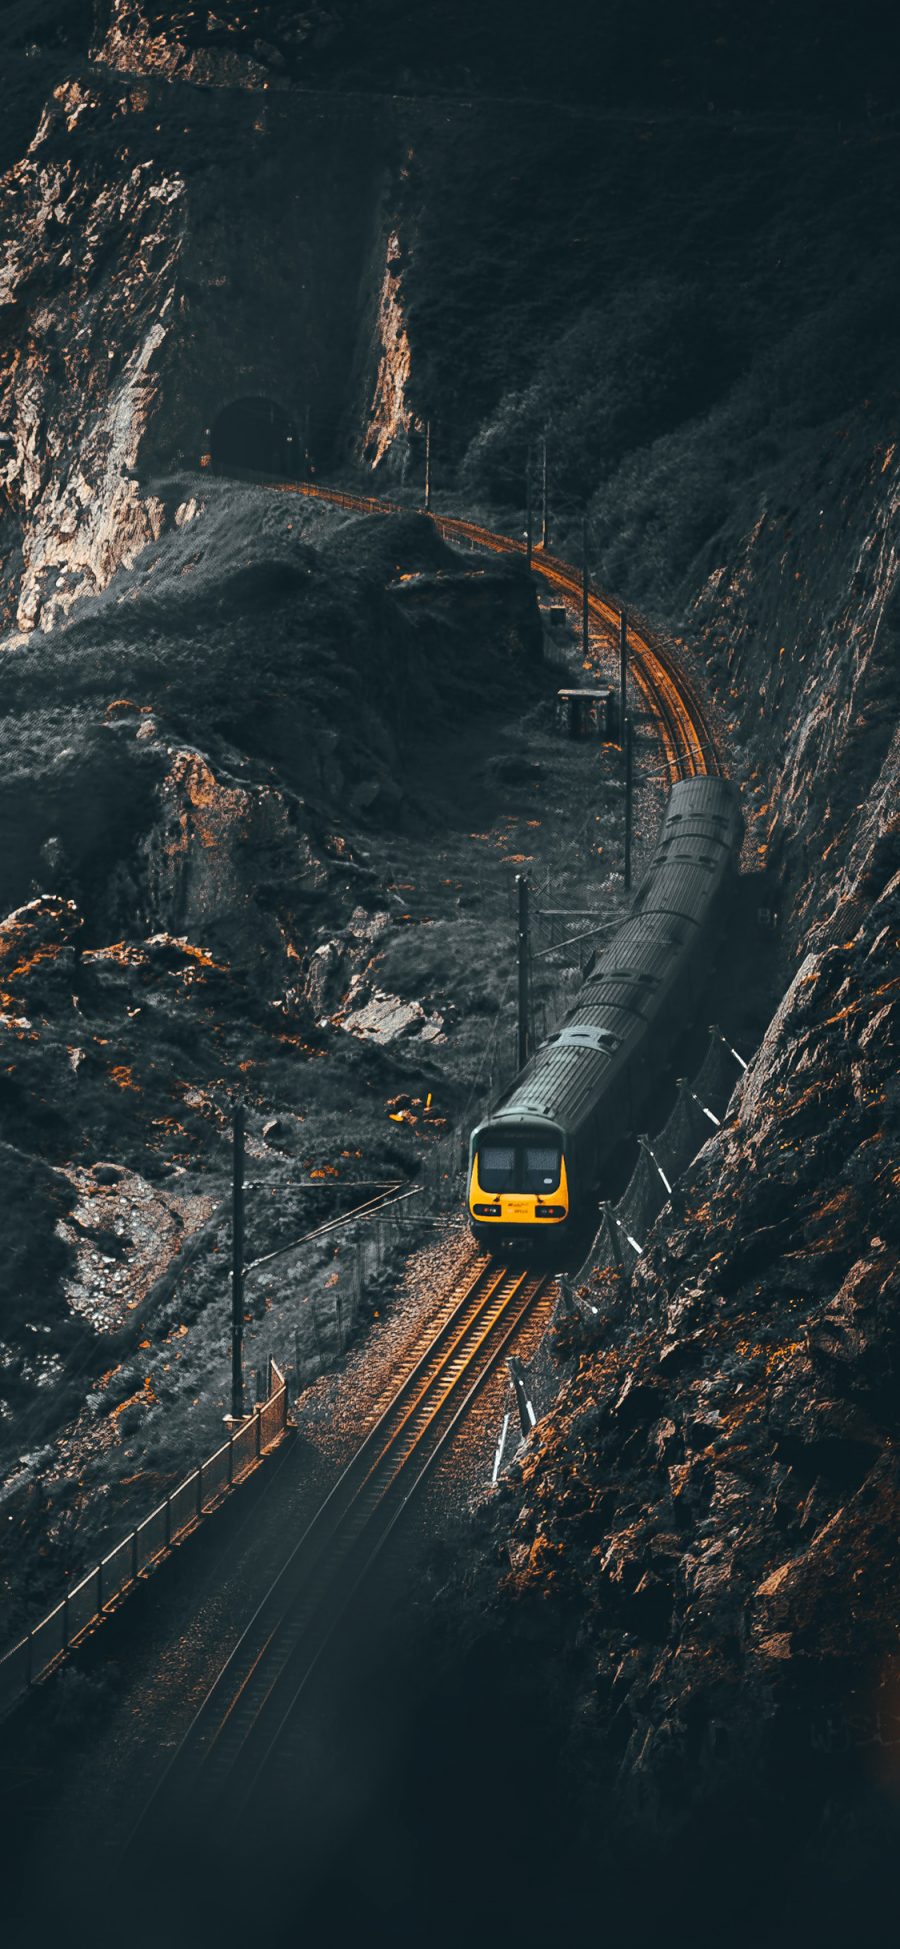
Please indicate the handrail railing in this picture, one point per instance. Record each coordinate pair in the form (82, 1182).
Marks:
(121, 1569)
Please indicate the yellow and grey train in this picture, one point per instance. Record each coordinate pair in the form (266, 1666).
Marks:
(538, 1161)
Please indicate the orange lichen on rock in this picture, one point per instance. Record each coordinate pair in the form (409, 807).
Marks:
(123, 1076)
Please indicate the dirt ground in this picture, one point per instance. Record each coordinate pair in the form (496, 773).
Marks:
(409, 999)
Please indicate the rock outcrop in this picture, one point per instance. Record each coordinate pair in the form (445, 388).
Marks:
(80, 379)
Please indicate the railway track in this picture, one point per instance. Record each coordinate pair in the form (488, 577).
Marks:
(242, 1731)
(686, 735)
(247, 1729)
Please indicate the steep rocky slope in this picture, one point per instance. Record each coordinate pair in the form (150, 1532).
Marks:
(688, 1592)
(209, 774)
(693, 292)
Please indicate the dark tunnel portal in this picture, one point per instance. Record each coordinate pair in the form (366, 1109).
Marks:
(257, 435)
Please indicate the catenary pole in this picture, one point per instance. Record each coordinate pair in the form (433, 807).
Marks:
(237, 1264)
(522, 969)
(585, 639)
(623, 672)
(545, 518)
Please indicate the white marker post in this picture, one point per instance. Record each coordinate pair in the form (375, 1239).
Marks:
(498, 1458)
(707, 1113)
(716, 1031)
(645, 1146)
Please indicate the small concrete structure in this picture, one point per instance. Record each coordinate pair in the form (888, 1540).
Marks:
(586, 713)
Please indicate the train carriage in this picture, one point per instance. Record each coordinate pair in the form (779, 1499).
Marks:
(537, 1163)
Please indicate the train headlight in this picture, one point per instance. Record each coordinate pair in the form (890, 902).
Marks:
(549, 1211)
(486, 1211)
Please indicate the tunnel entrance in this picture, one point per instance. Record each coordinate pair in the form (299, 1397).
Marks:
(258, 435)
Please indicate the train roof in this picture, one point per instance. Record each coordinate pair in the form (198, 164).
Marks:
(630, 979)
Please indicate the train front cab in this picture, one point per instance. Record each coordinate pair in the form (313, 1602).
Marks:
(518, 1183)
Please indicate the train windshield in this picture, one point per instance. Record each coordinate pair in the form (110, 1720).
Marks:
(519, 1167)
(497, 1167)
(540, 1167)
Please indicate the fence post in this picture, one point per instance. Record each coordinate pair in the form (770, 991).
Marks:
(168, 1520)
(284, 1404)
(644, 1143)
(716, 1031)
(231, 1458)
(134, 1556)
(258, 1432)
(498, 1455)
(527, 1416)
(100, 1589)
(612, 1231)
(565, 1297)
(200, 1490)
(66, 1622)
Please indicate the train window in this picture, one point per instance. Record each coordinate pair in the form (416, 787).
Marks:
(541, 1168)
(496, 1167)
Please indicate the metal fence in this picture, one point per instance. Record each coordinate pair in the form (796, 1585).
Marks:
(86, 1602)
(698, 1109)
(622, 1238)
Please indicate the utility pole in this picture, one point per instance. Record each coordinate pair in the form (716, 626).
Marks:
(545, 520)
(623, 672)
(522, 969)
(629, 769)
(427, 466)
(237, 1265)
(585, 639)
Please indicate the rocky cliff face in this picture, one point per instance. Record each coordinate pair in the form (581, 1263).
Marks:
(206, 693)
(135, 312)
(719, 1481)
(800, 636)
(701, 1544)
(90, 288)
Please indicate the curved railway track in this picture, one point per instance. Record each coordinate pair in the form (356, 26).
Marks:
(242, 1731)
(247, 1729)
(686, 735)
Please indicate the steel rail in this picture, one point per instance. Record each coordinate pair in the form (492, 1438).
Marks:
(279, 1753)
(243, 1724)
(305, 1601)
(688, 741)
